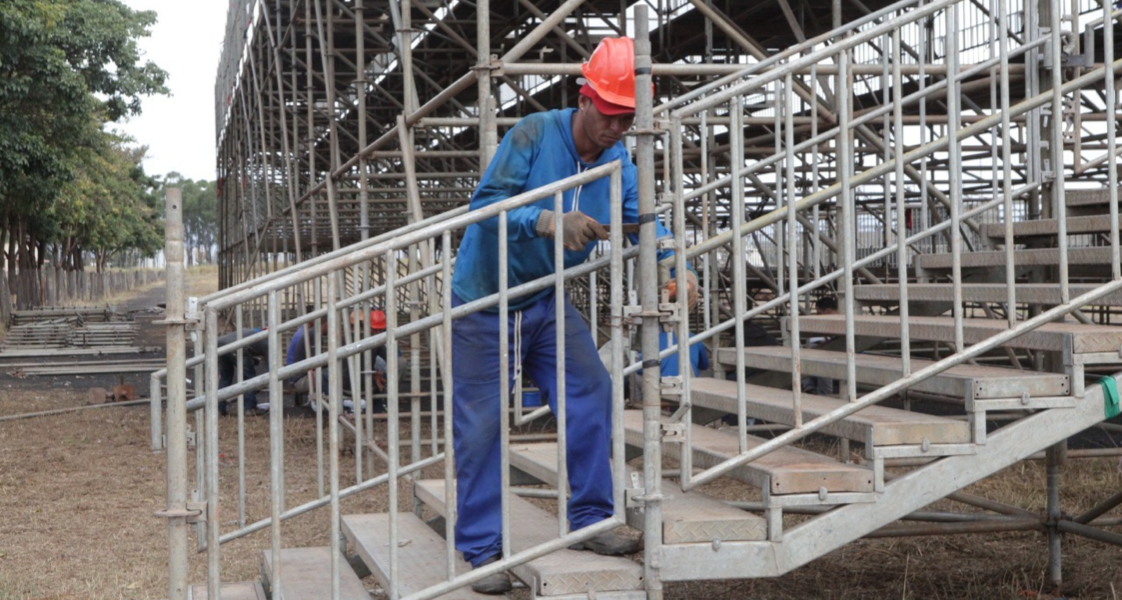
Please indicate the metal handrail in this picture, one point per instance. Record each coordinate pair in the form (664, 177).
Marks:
(269, 286)
(888, 391)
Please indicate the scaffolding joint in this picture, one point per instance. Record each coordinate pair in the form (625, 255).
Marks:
(673, 387)
(494, 65)
(194, 512)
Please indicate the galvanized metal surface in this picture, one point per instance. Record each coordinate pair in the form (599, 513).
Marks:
(1027, 293)
(1090, 197)
(306, 575)
(176, 398)
(920, 487)
(1054, 337)
(798, 161)
(963, 381)
(786, 471)
(1021, 257)
(879, 425)
(421, 553)
(688, 517)
(246, 590)
(558, 573)
(1050, 227)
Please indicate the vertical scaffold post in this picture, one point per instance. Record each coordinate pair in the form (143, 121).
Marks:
(177, 399)
(648, 297)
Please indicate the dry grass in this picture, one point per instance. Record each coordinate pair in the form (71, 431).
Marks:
(78, 493)
(78, 522)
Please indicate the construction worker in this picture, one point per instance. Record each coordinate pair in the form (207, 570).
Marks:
(228, 367)
(541, 149)
(301, 343)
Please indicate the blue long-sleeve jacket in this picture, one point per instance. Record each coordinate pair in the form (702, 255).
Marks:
(538, 151)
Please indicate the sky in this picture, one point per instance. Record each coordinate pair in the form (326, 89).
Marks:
(179, 129)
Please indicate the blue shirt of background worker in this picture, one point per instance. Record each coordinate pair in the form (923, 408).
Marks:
(699, 356)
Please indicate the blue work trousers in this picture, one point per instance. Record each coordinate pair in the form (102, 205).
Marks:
(228, 367)
(475, 417)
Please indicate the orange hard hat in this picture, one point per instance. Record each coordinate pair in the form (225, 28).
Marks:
(377, 320)
(611, 71)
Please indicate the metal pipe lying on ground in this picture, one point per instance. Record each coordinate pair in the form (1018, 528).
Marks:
(59, 411)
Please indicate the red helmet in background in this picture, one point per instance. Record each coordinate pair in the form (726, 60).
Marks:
(611, 71)
(377, 320)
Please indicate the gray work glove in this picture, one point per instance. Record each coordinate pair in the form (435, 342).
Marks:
(577, 229)
(665, 281)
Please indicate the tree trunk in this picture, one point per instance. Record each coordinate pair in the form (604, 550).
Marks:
(40, 253)
(4, 233)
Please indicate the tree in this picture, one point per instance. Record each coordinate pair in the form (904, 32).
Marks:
(66, 68)
(108, 207)
(200, 216)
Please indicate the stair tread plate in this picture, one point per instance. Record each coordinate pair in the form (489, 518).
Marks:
(1030, 293)
(959, 381)
(1050, 336)
(1049, 227)
(306, 573)
(688, 517)
(889, 426)
(562, 572)
(1095, 256)
(243, 590)
(788, 470)
(421, 553)
(1091, 197)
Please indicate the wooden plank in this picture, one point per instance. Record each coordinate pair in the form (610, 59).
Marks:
(420, 555)
(559, 573)
(306, 574)
(688, 517)
(788, 470)
(245, 590)
(1050, 336)
(880, 425)
(962, 382)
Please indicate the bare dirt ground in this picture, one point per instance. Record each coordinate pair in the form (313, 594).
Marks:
(78, 492)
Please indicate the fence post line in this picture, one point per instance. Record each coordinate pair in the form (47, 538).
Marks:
(177, 399)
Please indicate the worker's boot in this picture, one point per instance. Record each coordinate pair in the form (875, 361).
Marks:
(610, 543)
(499, 583)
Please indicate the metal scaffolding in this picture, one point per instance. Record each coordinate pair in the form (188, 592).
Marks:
(895, 155)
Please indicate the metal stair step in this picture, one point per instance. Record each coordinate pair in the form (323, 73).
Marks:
(688, 517)
(1096, 256)
(420, 552)
(1057, 337)
(787, 470)
(1028, 293)
(1095, 197)
(560, 573)
(964, 381)
(909, 492)
(244, 590)
(1049, 227)
(875, 425)
(306, 574)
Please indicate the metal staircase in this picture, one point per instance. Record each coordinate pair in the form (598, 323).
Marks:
(981, 318)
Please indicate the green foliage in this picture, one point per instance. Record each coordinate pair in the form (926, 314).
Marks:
(67, 67)
(200, 214)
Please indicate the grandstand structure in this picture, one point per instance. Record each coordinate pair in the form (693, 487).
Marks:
(947, 168)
